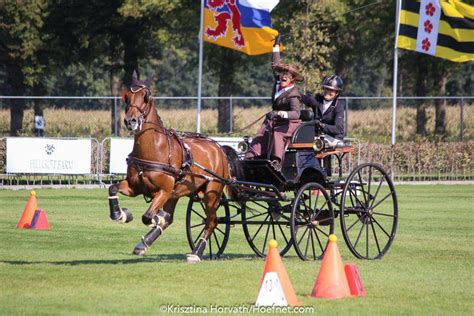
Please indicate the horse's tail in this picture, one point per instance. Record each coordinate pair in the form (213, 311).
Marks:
(236, 169)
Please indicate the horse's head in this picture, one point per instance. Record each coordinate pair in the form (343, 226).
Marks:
(138, 103)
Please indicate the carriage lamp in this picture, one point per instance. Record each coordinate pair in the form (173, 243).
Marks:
(243, 146)
(318, 144)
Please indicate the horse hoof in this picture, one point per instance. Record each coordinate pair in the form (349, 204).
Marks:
(148, 221)
(140, 249)
(127, 216)
(192, 258)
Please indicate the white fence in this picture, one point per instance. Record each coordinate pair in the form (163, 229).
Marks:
(59, 161)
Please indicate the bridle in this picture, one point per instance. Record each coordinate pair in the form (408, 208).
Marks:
(144, 111)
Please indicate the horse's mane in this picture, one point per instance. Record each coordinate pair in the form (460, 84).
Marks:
(158, 117)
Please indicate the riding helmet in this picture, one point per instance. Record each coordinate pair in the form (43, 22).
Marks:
(333, 82)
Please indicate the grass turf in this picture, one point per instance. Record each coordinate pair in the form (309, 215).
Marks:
(84, 265)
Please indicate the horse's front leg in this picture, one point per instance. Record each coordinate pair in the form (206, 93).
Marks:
(116, 212)
(211, 201)
(157, 218)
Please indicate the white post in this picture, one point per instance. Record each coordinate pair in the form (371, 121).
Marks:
(198, 114)
(395, 73)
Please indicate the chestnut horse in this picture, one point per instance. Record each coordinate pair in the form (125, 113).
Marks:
(165, 167)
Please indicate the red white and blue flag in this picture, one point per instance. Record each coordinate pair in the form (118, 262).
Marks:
(243, 25)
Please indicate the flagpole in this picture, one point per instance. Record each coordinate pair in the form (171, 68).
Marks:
(198, 114)
(395, 72)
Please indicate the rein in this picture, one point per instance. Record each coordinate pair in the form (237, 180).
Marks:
(251, 124)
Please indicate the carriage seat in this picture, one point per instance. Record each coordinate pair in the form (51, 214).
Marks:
(306, 131)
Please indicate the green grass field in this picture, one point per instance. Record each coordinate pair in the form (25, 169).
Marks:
(83, 265)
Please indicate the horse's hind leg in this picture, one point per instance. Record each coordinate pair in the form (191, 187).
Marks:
(116, 212)
(160, 221)
(211, 201)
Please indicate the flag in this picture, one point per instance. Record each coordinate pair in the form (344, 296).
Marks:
(442, 28)
(243, 25)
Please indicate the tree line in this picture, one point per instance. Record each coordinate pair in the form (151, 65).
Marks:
(90, 48)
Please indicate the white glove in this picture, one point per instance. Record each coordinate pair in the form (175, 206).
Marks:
(283, 114)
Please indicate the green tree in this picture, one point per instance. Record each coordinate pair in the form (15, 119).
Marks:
(310, 32)
(21, 39)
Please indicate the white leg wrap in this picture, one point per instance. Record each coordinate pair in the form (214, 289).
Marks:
(157, 221)
(204, 240)
(123, 217)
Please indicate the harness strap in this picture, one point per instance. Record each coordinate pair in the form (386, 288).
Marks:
(143, 165)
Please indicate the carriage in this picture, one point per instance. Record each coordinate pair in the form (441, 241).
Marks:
(298, 205)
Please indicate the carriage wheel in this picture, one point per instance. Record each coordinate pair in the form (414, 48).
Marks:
(312, 221)
(369, 211)
(196, 221)
(263, 221)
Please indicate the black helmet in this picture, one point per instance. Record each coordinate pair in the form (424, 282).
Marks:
(333, 82)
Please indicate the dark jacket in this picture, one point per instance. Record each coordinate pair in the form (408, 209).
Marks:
(290, 100)
(333, 118)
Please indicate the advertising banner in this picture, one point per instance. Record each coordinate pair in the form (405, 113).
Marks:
(120, 148)
(48, 155)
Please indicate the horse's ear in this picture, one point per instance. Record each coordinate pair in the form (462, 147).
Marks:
(148, 81)
(134, 78)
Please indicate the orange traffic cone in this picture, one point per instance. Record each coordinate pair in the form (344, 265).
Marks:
(331, 281)
(39, 220)
(275, 286)
(28, 212)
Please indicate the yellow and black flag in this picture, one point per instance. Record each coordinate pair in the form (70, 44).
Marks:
(442, 28)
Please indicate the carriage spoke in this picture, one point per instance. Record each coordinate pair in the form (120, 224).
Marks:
(369, 180)
(362, 186)
(367, 240)
(354, 194)
(358, 236)
(380, 202)
(315, 202)
(322, 207)
(353, 224)
(217, 241)
(307, 243)
(210, 246)
(199, 236)
(312, 245)
(302, 236)
(259, 214)
(273, 230)
(195, 212)
(197, 225)
(219, 230)
(375, 236)
(377, 192)
(282, 232)
(383, 214)
(259, 228)
(265, 240)
(319, 241)
(376, 222)
(321, 231)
